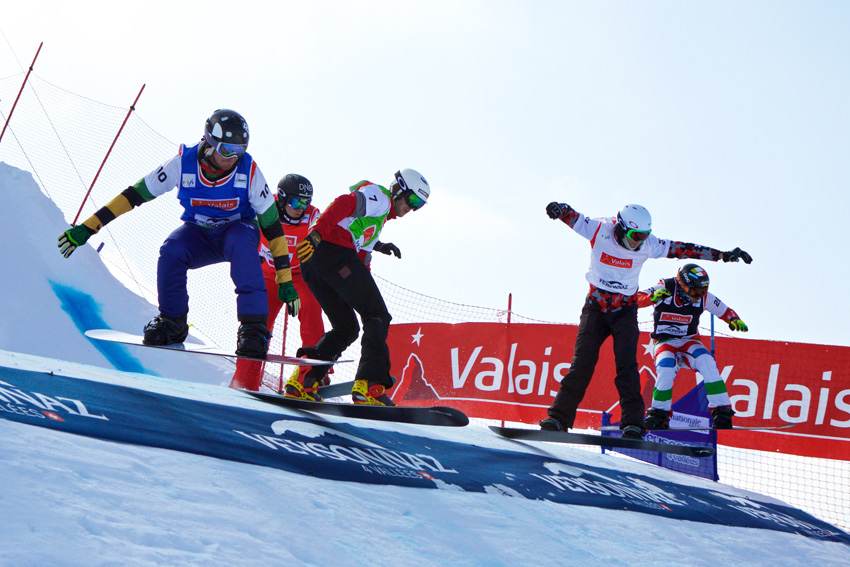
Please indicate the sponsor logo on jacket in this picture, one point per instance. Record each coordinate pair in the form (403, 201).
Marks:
(675, 318)
(610, 285)
(616, 262)
(223, 204)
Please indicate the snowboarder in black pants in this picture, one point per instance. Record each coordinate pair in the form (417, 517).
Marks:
(619, 248)
(334, 258)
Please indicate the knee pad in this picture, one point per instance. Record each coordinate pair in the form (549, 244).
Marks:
(379, 327)
(347, 335)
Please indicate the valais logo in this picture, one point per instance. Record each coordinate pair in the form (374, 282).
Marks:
(616, 262)
(492, 372)
(222, 204)
(368, 234)
(675, 318)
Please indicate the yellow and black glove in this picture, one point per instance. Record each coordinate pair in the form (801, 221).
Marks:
(304, 250)
(738, 325)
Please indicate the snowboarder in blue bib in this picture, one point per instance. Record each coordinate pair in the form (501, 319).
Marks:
(226, 203)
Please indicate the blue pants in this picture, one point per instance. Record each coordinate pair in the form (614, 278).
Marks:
(190, 247)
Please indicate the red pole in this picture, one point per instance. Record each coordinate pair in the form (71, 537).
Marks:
(510, 307)
(132, 108)
(20, 91)
(283, 347)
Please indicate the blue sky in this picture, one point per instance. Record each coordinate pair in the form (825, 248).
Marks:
(727, 120)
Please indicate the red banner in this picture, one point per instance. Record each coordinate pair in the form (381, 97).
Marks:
(512, 373)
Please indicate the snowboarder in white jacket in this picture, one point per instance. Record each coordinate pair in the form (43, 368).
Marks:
(619, 248)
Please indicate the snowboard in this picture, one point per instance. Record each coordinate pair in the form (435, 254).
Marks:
(602, 441)
(734, 428)
(129, 339)
(336, 390)
(436, 415)
(340, 389)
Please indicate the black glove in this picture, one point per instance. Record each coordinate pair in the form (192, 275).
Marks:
(737, 254)
(557, 210)
(387, 248)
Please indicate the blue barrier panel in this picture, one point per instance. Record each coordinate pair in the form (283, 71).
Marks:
(693, 407)
(304, 443)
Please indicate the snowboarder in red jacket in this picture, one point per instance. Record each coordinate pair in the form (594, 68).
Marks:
(297, 215)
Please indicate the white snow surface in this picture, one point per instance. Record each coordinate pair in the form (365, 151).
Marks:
(68, 500)
(33, 318)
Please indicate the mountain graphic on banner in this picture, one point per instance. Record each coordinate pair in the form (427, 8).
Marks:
(647, 385)
(413, 378)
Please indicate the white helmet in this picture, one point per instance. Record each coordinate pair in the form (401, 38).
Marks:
(634, 223)
(412, 187)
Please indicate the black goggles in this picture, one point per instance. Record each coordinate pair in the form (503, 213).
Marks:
(413, 200)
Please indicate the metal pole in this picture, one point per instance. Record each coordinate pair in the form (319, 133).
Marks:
(712, 336)
(20, 91)
(132, 108)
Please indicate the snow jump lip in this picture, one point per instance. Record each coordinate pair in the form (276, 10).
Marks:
(136, 340)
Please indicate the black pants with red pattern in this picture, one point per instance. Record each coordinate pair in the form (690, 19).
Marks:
(595, 326)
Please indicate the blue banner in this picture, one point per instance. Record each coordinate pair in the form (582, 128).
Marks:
(304, 443)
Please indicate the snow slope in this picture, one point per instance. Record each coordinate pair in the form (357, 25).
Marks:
(71, 500)
(47, 299)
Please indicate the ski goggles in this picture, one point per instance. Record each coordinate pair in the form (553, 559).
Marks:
(693, 293)
(413, 200)
(299, 202)
(226, 150)
(229, 151)
(637, 235)
(697, 292)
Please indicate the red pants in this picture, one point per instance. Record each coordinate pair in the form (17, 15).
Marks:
(249, 373)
